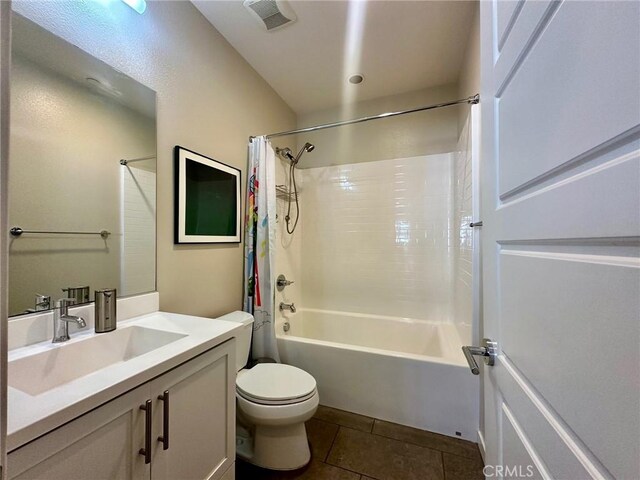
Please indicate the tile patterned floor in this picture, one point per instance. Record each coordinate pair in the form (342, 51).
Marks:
(347, 446)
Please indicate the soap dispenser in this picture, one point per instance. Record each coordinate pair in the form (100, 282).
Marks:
(105, 310)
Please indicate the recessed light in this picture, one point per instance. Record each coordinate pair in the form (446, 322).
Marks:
(356, 79)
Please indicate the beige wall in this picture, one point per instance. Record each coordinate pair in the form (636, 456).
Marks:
(209, 100)
(62, 132)
(411, 135)
(469, 81)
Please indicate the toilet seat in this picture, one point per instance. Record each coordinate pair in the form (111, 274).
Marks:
(275, 384)
(261, 401)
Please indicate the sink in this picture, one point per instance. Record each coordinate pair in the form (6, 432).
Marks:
(66, 362)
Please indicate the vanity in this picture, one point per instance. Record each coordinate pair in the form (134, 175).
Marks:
(154, 399)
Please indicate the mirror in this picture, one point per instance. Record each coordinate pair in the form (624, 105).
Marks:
(82, 181)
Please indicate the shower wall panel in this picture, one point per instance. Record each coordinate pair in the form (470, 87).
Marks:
(378, 237)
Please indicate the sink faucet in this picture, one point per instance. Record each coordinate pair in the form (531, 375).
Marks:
(288, 306)
(61, 320)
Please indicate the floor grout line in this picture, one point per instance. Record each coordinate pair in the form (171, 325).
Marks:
(344, 469)
(372, 432)
(435, 434)
(333, 441)
(424, 446)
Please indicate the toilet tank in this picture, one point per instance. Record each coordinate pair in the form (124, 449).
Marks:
(243, 340)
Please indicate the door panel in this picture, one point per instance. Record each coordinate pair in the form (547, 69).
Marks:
(585, 204)
(520, 458)
(547, 307)
(557, 448)
(507, 12)
(563, 120)
(561, 237)
(521, 37)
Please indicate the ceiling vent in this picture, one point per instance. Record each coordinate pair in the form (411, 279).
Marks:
(272, 14)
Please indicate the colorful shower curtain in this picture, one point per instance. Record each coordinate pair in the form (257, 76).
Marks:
(259, 247)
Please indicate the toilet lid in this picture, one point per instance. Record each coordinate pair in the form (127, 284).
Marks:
(275, 382)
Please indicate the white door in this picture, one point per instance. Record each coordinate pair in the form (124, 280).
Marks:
(560, 102)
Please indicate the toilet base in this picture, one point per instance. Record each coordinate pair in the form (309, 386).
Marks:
(278, 448)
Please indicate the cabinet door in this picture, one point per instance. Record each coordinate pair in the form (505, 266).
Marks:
(201, 416)
(102, 444)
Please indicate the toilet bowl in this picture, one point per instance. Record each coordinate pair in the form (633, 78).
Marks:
(273, 401)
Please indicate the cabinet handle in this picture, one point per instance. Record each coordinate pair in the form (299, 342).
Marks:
(146, 451)
(164, 438)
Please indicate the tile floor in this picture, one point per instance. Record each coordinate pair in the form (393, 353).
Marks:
(347, 446)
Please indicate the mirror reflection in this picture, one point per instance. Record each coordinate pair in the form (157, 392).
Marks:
(82, 181)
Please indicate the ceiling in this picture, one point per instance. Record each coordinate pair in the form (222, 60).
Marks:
(48, 51)
(399, 46)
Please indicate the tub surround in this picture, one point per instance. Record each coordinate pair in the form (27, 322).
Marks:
(387, 282)
(466, 309)
(376, 237)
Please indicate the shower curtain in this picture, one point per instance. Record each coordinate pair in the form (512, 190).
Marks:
(259, 247)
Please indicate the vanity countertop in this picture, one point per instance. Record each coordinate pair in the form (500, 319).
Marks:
(32, 415)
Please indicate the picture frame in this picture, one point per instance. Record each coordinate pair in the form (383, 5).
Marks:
(207, 199)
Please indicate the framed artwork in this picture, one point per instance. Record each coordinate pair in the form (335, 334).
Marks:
(207, 199)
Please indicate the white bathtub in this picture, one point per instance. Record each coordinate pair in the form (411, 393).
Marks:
(405, 371)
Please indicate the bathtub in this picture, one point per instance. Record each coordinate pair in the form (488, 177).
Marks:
(405, 371)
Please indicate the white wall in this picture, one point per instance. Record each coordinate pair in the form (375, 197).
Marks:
(288, 246)
(462, 251)
(48, 111)
(376, 237)
(209, 100)
(138, 216)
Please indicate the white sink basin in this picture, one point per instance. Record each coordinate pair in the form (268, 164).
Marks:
(64, 363)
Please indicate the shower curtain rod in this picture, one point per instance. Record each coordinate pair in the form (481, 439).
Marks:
(470, 100)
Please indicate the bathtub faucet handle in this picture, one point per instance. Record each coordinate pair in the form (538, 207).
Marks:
(288, 306)
(282, 282)
(488, 350)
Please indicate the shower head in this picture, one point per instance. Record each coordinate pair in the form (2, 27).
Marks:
(286, 152)
(306, 148)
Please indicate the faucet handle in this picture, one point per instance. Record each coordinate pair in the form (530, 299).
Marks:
(64, 302)
(43, 301)
(282, 282)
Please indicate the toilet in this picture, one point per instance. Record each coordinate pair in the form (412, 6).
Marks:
(273, 401)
